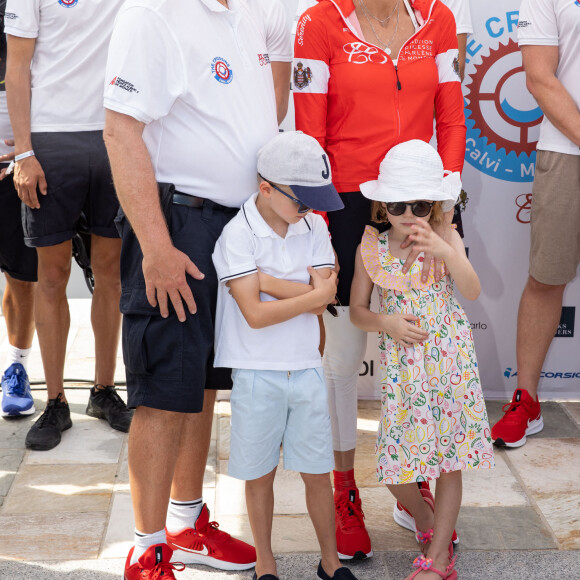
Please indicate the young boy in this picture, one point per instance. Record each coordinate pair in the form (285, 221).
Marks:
(274, 261)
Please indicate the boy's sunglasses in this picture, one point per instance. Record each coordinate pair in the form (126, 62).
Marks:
(302, 208)
(419, 208)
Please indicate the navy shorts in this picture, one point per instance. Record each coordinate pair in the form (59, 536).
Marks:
(169, 363)
(78, 176)
(16, 259)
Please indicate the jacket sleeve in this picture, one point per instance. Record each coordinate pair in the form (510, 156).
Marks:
(311, 73)
(450, 120)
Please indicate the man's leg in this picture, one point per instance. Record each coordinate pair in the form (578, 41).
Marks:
(104, 401)
(52, 313)
(18, 309)
(154, 442)
(187, 484)
(52, 318)
(105, 313)
(538, 318)
(188, 524)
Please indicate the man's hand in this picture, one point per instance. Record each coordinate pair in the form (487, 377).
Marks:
(28, 177)
(6, 158)
(402, 328)
(165, 275)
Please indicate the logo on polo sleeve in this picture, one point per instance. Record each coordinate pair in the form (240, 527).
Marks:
(68, 3)
(221, 70)
(123, 84)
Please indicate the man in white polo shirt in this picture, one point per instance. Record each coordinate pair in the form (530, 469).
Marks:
(54, 80)
(549, 38)
(190, 99)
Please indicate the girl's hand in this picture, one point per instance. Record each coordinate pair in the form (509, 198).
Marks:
(401, 328)
(427, 241)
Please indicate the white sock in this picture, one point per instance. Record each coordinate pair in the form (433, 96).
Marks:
(18, 355)
(182, 514)
(145, 541)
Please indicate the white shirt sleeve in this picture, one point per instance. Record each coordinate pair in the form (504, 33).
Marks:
(234, 254)
(462, 12)
(322, 252)
(22, 18)
(537, 24)
(146, 70)
(278, 39)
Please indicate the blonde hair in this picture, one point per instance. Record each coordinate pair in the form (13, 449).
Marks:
(379, 213)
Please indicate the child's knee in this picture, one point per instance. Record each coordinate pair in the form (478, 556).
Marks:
(316, 479)
(264, 480)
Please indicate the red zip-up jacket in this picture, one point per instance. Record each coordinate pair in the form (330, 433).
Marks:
(357, 103)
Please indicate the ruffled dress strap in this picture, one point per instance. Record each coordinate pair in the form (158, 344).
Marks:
(386, 271)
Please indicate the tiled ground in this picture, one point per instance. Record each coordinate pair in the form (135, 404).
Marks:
(73, 503)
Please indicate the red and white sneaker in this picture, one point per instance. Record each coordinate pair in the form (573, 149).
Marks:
(522, 417)
(152, 565)
(405, 519)
(207, 544)
(352, 538)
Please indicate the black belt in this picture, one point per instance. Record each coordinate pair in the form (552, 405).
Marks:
(194, 201)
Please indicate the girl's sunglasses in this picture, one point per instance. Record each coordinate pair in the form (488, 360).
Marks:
(302, 208)
(419, 208)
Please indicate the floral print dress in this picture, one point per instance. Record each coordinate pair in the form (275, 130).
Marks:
(433, 417)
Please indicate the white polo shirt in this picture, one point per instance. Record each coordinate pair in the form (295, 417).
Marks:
(68, 65)
(462, 12)
(246, 244)
(199, 75)
(555, 23)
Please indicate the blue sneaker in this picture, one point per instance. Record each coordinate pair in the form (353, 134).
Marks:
(16, 395)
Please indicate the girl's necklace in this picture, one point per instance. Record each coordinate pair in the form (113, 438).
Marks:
(386, 46)
(369, 13)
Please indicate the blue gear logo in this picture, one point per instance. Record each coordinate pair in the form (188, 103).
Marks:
(501, 135)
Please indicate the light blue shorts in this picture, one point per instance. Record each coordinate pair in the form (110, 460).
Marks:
(270, 408)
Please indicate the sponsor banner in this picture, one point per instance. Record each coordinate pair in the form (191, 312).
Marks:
(503, 124)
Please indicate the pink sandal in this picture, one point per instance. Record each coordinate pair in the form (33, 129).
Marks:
(423, 564)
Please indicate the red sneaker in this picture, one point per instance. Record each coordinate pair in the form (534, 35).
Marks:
(152, 565)
(405, 519)
(352, 538)
(206, 544)
(522, 417)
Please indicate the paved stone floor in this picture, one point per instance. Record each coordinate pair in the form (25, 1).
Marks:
(66, 513)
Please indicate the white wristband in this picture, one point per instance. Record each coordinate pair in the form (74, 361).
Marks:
(24, 155)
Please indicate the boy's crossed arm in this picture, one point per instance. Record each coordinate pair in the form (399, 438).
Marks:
(280, 288)
(293, 298)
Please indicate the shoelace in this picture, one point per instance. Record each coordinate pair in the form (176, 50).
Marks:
(111, 394)
(517, 407)
(164, 569)
(15, 385)
(49, 415)
(350, 514)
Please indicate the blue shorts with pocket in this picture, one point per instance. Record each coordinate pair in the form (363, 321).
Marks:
(270, 408)
(169, 363)
(79, 180)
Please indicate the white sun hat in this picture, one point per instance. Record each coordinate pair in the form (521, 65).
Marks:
(411, 171)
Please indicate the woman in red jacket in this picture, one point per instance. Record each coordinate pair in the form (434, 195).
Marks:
(367, 75)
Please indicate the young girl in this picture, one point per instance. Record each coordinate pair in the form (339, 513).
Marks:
(434, 422)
